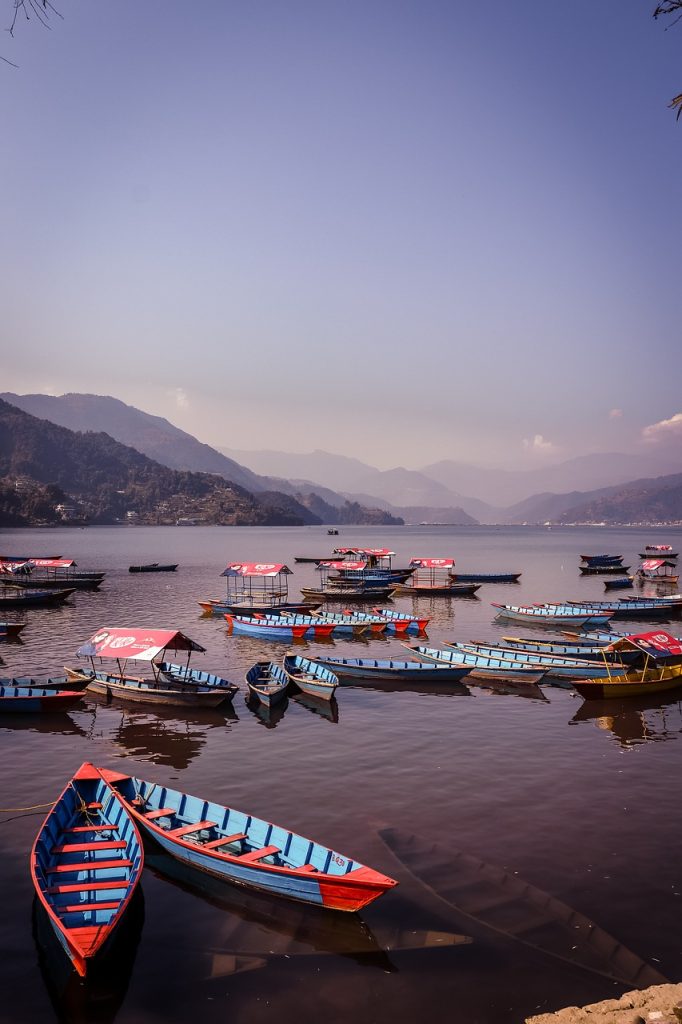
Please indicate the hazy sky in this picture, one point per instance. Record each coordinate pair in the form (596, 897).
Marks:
(403, 231)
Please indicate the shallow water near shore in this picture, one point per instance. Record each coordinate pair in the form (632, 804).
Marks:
(580, 802)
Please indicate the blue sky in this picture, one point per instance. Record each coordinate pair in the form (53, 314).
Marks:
(400, 231)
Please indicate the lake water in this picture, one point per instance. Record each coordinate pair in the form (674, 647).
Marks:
(583, 805)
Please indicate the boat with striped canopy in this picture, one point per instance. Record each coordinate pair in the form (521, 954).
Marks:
(37, 700)
(481, 667)
(279, 627)
(310, 677)
(662, 668)
(241, 848)
(86, 862)
(148, 646)
(552, 615)
(352, 671)
(267, 682)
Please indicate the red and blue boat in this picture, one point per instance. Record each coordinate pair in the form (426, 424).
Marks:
(33, 700)
(402, 622)
(10, 629)
(279, 627)
(246, 850)
(85, 864)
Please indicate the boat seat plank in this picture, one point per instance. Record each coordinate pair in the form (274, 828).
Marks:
(88, 865)
(255, 855)
(102, 844)
(90, 828)
(237, 837)
(77, 908)
(55, 890)
(162, 812)
(93, 807)
(306, 869)
(186, 830)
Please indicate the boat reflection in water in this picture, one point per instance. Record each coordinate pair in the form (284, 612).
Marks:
(270, 717)
(97, 998)
(634, 720)
(258, 929)
(328, 709)
(171, 737)
(57, 724)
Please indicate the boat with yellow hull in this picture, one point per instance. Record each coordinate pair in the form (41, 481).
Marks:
(633, 684)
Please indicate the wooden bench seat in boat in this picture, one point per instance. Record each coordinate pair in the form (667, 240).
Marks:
(213, 844)
(162, 812)
(93, 807)
(122, 883)
(306, 869)
(91, 828)
(78, 908)
(89, 865)
(102, 844)
(185, 830)
(255, 855)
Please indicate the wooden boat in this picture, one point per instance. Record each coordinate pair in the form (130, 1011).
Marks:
(11, 597)
(49, 573)
(436, 589)
(186, 676)
(333, 533)
(481, 667)
(658, 551)
(575, 649)
(354, 623)
(558, 666)
(545, 615)
(601, 559)
(402, 622)
(500, 900)
(486, 577)
(310, 560)
(346, 593)
(278, 627)
(24, 699)
(604, 570)
(11, 628)
(619, 584)
(21, 559)
(658, 570)
(146, 645)
(153, 567)
(52, 582)
(44, 683)
(635, 607)
(310, 677)
(252, 586)
(660, 650)
(246, 850)
(267, 682)
(86, 862)
(222, 608)
(355, 670)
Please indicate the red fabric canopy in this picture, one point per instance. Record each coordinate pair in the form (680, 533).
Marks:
(432, 563)
(348, 564)
(137, 644)
(655, 643)
(257, 569)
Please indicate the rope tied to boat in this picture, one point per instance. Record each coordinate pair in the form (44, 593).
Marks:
(33, 807)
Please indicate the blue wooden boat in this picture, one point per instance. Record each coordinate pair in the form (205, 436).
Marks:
(612, 569)
(251, 607)
(246, 850)
(44, 683)
(153, 567)
(347, 592)
(186, 676)
(486, 577)
(18, 597)
(546, 615)
(402, 622)
(436, 589)
(560, 667)
(481, 667)
(636, 607)
(620, 583)
(310, 677)
(279, 627)
(601, 559)
(575, 649)
(85, 864)
(354, 623)
(370, 670)
(11, 629)
(138, 690)
(267, 682)
(24, 699)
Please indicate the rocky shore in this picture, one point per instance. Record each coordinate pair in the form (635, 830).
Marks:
(660, 1004)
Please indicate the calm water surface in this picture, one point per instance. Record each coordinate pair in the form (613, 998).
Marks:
(582, 804)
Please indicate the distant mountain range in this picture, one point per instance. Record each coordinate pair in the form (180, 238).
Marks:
(332, 488)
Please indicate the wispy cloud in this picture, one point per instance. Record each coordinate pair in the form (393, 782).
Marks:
(615, 414)
(664, 430)
(180, 397)
(539, 445)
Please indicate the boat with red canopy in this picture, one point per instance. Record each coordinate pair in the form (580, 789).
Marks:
(254, 587)
(662, 668)
(170, 684)
(434, 577)
(659, 570)
(658, 551)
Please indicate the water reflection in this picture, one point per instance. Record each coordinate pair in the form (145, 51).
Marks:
(635, 720)
(269, 717)
(57, 723)
(170, 737)
(508, 688)
(328, 709)
(97, 998)
(258, 926)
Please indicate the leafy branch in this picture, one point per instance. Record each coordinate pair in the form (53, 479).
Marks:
(664, 9)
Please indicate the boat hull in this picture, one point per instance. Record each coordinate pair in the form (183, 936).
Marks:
(142, 692)
(11, 598)
(355, 670)
(310, 677)
(23, 700)
(443, 590)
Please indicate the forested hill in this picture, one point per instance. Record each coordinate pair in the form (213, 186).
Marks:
(43, 465)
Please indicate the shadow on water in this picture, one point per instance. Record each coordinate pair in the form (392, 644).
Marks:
(634, 720)
(265, 928)
(269, 717)
(505, 904)
(328, 709)
(97, 998)
(58, 723)
(168, 736)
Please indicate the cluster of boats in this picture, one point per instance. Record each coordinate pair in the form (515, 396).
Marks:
(658, 566)
(88, 856)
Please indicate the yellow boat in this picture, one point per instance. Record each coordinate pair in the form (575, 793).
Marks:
(657, 646)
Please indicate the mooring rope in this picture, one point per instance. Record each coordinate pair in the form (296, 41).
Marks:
(34, 807)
